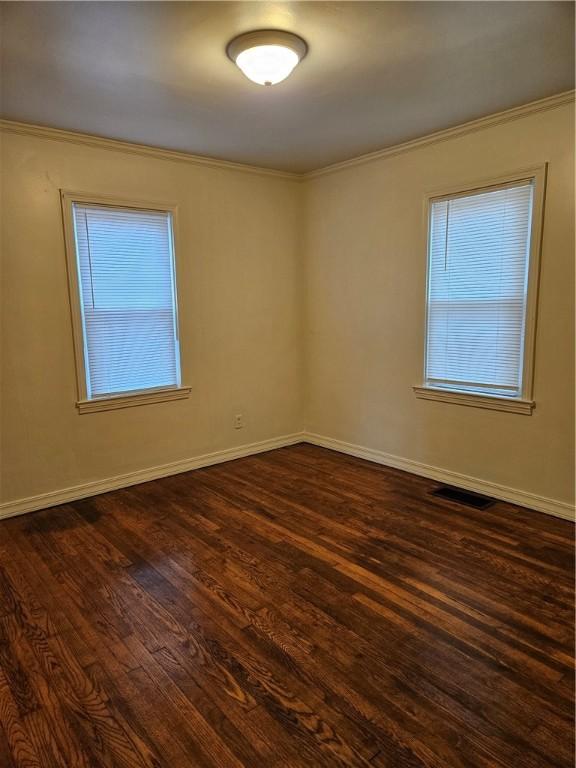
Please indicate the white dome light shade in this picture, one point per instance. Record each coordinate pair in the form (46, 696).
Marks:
(267, 56)
(267, 64)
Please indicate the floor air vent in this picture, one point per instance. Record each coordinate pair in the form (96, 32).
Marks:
(463, 497)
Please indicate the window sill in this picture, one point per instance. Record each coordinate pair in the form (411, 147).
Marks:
(128, 401)
(476, 400)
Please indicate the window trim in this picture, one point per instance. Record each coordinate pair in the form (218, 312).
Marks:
(128, 399)
(525, 403)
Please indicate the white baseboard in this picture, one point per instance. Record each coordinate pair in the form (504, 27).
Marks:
(513, 495)
(73, 493)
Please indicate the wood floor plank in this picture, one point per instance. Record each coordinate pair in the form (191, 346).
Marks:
(295, 609)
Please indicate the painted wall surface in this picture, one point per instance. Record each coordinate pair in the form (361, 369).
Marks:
(301, 307)
(364, 317)
(239, 279)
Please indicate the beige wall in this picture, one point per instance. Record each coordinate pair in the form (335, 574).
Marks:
(239, 316)
(364, 321)
(301, 306)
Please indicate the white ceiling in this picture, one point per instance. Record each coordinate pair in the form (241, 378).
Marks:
(378, 73)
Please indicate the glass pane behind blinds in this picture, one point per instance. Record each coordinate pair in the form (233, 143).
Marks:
(478, 267)
(127, 291)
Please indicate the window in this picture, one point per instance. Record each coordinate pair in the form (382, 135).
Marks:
(482, 248)
(123, 290)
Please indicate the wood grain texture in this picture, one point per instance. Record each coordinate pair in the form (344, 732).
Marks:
(299, 608)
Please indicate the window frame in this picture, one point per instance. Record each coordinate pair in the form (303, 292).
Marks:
(525, 403)
(125, 399)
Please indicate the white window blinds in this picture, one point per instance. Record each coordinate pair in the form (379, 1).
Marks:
(128, 299)
(479, 246)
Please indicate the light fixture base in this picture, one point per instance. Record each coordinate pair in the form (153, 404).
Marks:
(258, 37)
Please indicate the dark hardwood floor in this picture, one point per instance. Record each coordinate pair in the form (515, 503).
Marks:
(296, 608)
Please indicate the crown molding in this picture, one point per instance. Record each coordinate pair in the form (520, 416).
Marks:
(508, 115)
(99, 142)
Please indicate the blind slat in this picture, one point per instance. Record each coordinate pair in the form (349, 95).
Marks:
(478, 256)
(127, 291)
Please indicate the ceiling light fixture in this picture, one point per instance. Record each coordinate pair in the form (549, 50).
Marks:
(267, 56)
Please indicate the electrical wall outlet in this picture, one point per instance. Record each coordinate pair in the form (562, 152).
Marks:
(239, 421)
